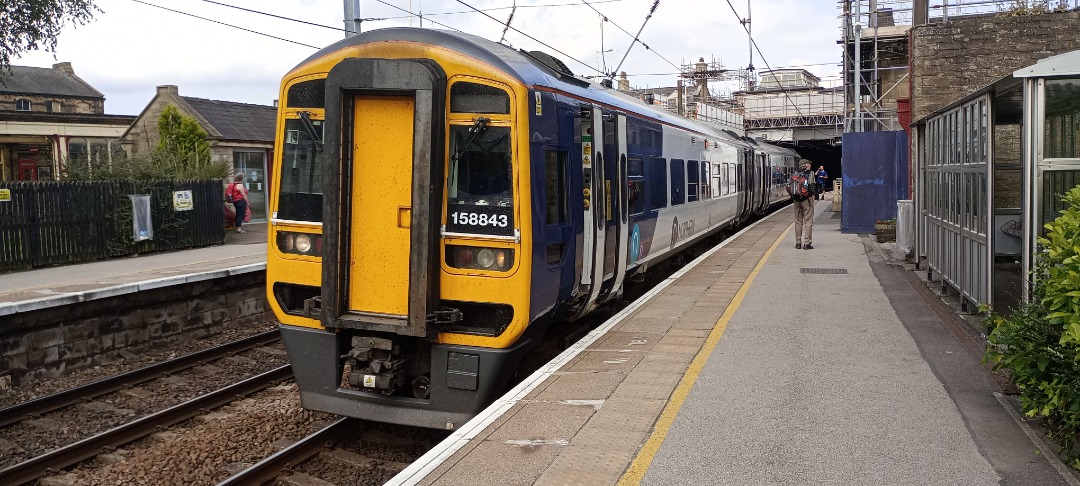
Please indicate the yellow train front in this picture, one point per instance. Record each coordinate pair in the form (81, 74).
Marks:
(387, 313)
(439, 199)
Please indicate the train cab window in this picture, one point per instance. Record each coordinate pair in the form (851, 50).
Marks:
(657, 177)
(302, 167)
(556, 165)
(636, 172)
(480, 197)
(478, 98)
(678, 182)
(691, 180)
(307, 94)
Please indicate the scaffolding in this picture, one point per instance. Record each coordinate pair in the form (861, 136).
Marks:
(875, 39)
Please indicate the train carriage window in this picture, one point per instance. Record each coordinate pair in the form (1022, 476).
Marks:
(678, 182)
(636, 172)
(657, 177)
(691, 180)
(706, 180)
(302, 166)
(556, 165)
(732, 178)
(478, 98)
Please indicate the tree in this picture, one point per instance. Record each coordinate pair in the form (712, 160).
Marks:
(182, 138)
(26, 25)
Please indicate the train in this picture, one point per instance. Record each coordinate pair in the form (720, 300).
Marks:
(439, 201)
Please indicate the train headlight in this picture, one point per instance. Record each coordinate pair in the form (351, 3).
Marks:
(303, 243)
(471, 257)
(309, 244)
(485, 258)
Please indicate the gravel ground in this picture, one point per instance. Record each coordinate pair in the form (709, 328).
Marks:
(205, 449)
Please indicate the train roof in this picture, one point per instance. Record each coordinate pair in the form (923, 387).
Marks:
(534, 69)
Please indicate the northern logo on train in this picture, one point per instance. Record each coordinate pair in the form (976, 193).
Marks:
(682, 231)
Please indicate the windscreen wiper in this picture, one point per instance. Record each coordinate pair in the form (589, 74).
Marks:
(479, 125)
(312, 132)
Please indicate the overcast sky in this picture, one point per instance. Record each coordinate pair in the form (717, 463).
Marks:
(132, 47)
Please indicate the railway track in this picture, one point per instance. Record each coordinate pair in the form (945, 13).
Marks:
(72, 454)
(98, 388)
(59, 457)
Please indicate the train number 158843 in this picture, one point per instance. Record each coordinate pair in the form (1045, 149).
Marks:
(479, 219)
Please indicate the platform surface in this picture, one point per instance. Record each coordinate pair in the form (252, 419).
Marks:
(759, 363)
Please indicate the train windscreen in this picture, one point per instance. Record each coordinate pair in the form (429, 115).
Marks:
(480, 198)
(302, 162)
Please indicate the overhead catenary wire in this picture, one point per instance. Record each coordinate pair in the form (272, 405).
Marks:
(534, 39)
(762, 56)
(632, 36)
(656, 3)
(226, 24)
(421, 16)
(282, 17)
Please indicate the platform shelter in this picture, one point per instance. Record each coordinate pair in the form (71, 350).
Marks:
(989, 172)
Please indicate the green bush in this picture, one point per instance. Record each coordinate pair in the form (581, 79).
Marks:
(1039, 344)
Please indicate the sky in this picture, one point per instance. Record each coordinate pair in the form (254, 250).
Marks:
(132, 46)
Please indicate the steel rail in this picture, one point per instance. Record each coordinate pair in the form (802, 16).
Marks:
(269, 468)
(76, 395)
(58, 459)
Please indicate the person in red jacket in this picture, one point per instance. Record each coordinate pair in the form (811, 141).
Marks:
(239, 199)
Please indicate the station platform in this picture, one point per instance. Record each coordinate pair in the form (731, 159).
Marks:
(760, 363)
(56, 286)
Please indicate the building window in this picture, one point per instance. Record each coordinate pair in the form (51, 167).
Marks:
(22, 105)
(52, 106)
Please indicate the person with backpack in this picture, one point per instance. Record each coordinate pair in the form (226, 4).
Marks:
(821, 176)
(237, 194)
(802, 189)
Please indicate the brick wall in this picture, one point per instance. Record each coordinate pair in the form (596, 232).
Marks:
(51, 342)
(952, 59)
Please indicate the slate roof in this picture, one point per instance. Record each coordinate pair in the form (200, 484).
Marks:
(237, 121)
(45, 81)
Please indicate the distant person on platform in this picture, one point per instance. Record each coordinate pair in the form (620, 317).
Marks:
(803, 192)
(239, 195)
(822, 176)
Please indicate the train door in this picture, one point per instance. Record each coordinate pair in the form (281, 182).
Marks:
(616, 186)
(594, 201)
(380, 269)
(743, 183)
(382, 194)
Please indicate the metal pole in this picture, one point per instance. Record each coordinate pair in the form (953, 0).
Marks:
(856, 68)
(352, 17)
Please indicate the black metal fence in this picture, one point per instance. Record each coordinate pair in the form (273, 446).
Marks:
(57, 223)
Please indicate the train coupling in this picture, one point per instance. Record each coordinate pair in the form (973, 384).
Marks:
(374, 364)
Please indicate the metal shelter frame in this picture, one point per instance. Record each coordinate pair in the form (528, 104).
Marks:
(971, 157)
(1051, 150)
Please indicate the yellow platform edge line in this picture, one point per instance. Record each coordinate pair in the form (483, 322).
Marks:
(636, 472)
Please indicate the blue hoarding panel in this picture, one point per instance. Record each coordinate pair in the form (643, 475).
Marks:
(875, 168)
